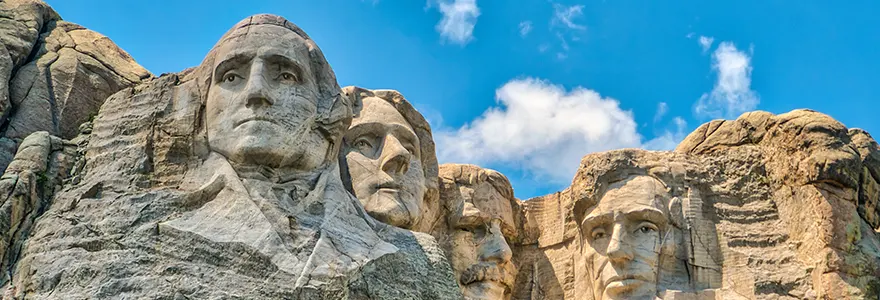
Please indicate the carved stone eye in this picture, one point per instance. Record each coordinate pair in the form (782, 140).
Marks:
(362, 145)
(598, 233)
(230, 78)
(288, 77)
(646, 228)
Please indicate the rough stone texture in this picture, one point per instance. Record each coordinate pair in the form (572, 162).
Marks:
(785, 207)
(154, 211)
(159, 197)
(28, 184)
(54, 74)
(824, 183)
(389, 161)
(481, 221)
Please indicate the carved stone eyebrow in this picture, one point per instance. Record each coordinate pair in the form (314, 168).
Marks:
(407, 135)
(231, 62)
(594, 220)
(362, 129)
(652, 215)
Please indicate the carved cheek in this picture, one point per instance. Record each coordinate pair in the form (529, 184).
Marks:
(362, 171)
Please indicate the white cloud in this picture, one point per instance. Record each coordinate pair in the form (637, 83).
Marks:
(662, 108)
(541, 128)
(732, 94)
(669, 139)
(706, 42)
(565, 15)
(459, 19)
(524, 28)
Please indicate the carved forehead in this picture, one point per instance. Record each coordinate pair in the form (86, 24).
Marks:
(281, 39)
(377, 110)
(633, 193)
(488, 200)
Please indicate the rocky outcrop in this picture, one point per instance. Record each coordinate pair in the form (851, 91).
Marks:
(154, 211)
(824, 182)
(54, 75)
(771, 207)
(121, 185)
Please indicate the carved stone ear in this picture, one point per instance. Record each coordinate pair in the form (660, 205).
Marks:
(676, 214)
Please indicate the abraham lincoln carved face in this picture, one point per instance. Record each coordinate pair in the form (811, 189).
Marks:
(623, 239)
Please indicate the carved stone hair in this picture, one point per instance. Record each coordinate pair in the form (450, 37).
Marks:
(470, 175)
(334, 111)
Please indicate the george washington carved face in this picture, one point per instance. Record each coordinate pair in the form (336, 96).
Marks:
(262, 104)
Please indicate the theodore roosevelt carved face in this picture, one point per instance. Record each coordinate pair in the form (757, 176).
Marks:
(481, 224)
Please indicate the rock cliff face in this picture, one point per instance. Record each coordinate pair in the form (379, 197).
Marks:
(773, 206)
(120, 185)
(54, 75)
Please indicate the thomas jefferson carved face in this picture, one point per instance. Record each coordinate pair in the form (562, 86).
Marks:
(480, 225)
(262, 103)
(384, 161)
(623, 239)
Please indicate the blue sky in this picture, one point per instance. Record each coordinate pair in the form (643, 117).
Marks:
(529, 86)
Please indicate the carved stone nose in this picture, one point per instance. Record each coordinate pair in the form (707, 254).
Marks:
(619, 249)
(257, 88)
(395, 157)
(495, 248)
(258, 100)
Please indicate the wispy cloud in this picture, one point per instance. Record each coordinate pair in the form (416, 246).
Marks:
(459, 20)
(706, 42)
(524, 28)
(564, 25)
(662, 108)
(566, 15)
(669, 138)
(732, 94)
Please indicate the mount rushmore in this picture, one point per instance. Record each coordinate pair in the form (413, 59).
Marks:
(254, 175)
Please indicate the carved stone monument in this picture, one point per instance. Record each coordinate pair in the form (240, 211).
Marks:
(254, 176)
(482, 220)
(223, 182)
(389, 160)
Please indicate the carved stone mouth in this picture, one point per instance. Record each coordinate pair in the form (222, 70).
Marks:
(256, 118)
(390, 185)
(624, 282)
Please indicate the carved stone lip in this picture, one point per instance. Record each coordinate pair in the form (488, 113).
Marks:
(624, 281)
(256, 118)
(390, 185)
(495, 283)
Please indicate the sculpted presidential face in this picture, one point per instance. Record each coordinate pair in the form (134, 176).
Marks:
(622, 235)
(382, 152)
(481, 224)
(262, 103)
